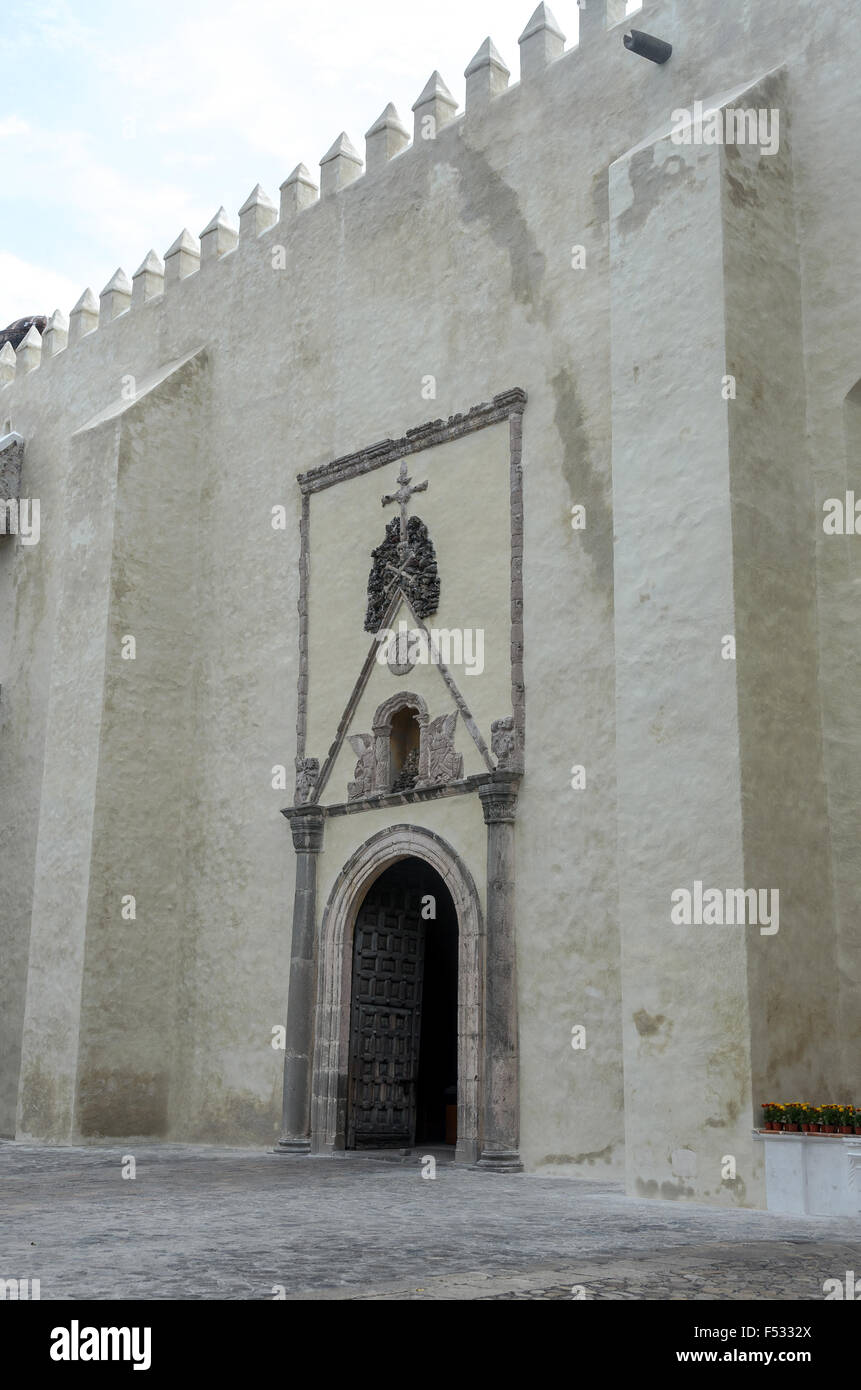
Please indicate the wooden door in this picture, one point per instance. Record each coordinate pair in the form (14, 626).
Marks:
(385, 1019)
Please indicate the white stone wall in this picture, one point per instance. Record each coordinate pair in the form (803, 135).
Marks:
(454, 260)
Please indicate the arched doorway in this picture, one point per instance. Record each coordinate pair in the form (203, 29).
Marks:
(402, 1077)
(330, 1087)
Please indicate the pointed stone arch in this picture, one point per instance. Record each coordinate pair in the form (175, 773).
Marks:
(334, 974)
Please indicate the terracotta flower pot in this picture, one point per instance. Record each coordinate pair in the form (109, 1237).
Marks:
(845, 1129)
(858, 1129)
(827, 1129)
(791, 1129)
(805, 1129)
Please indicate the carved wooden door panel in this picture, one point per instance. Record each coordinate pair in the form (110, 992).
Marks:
(385, 1020)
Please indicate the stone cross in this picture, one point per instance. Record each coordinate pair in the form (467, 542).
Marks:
(402, 497)
(400, 574)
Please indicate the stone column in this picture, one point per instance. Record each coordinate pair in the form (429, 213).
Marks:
(501, 1137)
(306, 823)
(382, 758)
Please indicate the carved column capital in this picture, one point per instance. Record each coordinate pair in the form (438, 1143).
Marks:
(499, 797)
(307, 825)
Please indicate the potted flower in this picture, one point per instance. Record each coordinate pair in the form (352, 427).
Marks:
(806, 1117)
(857, 1118)
(769, 1114)
(846, 1118)
(794, 1114)
(814, 1119)
(830, 1118)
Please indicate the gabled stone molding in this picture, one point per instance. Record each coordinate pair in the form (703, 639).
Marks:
(422, 437)
(508, 405)
(355, 695)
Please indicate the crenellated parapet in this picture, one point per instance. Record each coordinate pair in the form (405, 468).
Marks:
(387, 141)
(217, 238)
(56, 334)
(148, 279)
(84, 318)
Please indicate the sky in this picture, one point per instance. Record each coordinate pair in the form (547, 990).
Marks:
(123, 121)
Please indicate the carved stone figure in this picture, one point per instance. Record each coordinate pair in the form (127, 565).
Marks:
(363, 747)
(445, 764)
(503, 741)
(307, 772)
(410, 565)
(409, 773)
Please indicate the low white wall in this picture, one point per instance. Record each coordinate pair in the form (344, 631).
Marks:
(813, 1174)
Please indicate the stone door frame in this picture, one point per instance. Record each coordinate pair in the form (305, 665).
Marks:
(334, 983)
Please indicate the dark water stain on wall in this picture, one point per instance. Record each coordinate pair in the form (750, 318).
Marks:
(486, 197)
(604, 1155)
(648, 183)
(585, 485)
(123, 1102)
(648, 1024)
(41, 1112)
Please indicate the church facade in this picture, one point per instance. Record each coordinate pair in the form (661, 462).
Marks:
(429, 635)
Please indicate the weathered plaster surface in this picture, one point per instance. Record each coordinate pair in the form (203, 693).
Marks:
(454, 260)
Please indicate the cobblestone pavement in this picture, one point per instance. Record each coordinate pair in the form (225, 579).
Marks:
(212, 1223)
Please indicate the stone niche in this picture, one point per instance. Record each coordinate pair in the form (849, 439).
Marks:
(406, 750)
